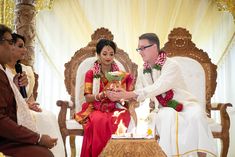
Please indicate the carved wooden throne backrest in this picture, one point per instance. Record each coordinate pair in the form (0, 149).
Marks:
(181, 47)
(90, 51)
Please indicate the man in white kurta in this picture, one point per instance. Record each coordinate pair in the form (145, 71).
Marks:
(184, 132)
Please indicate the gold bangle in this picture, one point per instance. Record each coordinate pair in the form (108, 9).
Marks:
(99, 96)
(96, 98)
(104, 94)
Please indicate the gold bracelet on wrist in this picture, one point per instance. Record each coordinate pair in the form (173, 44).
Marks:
(96, 98)
(99, 96)
(104, 94)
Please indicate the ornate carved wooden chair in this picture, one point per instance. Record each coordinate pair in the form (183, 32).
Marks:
(200, 75)
(35, 88)
(75, 70)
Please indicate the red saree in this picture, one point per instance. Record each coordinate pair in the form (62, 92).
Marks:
(98, 118)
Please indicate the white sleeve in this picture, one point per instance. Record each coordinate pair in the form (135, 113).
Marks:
(169, 76)
(139, 83)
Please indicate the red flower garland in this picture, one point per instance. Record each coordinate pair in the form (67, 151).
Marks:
(97, 68)
(167, 100)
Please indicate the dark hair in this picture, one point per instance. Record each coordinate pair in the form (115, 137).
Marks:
(105, 42)
(17, 36)
(3, 30)
(151, 37)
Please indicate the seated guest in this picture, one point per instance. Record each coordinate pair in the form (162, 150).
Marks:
(18, 54)
(100, 116)
(18, 136)
(45, 121)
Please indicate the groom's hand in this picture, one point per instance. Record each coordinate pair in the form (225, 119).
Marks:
(116, 95)
(112, 95)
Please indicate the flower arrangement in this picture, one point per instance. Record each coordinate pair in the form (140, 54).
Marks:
(115, 76)
(114, 82)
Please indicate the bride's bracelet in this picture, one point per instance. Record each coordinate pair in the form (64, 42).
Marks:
(96, 98)
(100, 96)
(104, 94)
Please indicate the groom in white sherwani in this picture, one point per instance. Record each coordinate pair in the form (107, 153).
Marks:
(178, 117)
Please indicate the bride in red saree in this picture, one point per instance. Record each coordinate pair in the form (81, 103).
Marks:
(100, 116)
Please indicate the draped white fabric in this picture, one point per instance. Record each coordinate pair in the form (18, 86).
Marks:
(225, 91)
(68, 26)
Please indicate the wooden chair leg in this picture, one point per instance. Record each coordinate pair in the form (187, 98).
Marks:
(72, 145)
(64, 141)
(225, 146)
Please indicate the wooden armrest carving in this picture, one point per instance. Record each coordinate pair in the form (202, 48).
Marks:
(225, 120)
(219, 106)
(64, 105)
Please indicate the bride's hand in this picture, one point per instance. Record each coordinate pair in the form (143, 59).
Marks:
(110, 95)
(120, 90)
(116, 95)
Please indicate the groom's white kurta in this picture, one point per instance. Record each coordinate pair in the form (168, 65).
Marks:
(181, 133)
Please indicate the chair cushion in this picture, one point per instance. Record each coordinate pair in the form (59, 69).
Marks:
(73, 124)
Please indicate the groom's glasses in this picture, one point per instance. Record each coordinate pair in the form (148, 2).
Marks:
(143, 48)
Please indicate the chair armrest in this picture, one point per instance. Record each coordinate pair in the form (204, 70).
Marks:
(64, 105)
(225, 120)
(219, 106)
